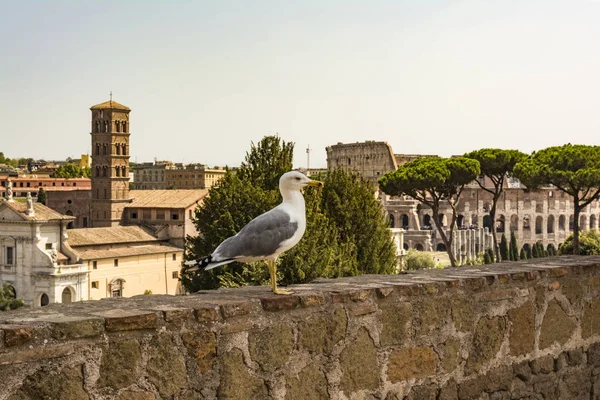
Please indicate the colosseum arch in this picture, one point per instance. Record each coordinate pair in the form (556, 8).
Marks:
(583, 222)
(487, 222)
(404, 221)
(392, 221)
(501, 224)
(562, 220)
(514, 223)
(539, 222)
(550, 224)
(526, 222)
(593, 221)
(571, 222)
(460, 220)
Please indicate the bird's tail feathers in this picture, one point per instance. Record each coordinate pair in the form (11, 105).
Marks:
(205, 263)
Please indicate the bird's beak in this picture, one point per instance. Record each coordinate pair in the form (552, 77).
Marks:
(315, 183)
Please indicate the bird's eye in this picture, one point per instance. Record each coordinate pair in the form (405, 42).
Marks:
(297, 178)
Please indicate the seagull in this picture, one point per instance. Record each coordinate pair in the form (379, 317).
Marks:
(267, 236)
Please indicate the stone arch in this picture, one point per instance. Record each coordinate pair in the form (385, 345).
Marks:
(487, 222)
(539, 222)
(440, 247)
(117, 287)
(426, 220)
(117, 171)
(419, 247)
(474, 220)
(527, 249)
(67, 295)
(460, 220)
(97, 127)
(118, 126)
(583, 222)
(104, 171)
(124, 126)
(404, 221)
(514, 223)
(405, 246)
(593, 222)
(501, 224)
(550, 224)
(392, 220)
(44, 300)
(571, 222)
(443, 219)
(562, 223)
(97, 149)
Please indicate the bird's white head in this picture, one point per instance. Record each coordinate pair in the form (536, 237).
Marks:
(295, 180)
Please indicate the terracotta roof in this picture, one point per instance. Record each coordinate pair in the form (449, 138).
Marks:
(41, 212)
(165, 198)
(110, 105)
(94, 254)
(113, 235)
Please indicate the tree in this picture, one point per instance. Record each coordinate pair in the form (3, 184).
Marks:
(534, 251)
(349, 202)
(8, 299)
(41, 197)
(504, 248)
(435, 182)
(496, 165)
(589, 243)
(417, 260)
(513, 247)
(266, 162)
(71, 171)
(572, 169)
(523, 254)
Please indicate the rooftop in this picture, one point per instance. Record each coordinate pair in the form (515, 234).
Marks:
(93, 254)
(41, 212)
(118, 234)
(165, 198)
(110, 105)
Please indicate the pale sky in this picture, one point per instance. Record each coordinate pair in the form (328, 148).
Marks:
(205, 78)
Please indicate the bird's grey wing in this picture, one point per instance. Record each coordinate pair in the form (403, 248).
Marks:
(260, 237)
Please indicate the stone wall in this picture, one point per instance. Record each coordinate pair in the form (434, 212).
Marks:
(509, 331)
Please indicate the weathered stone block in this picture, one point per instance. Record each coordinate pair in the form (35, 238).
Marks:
(202, 346)
(450, 355)
(593, 354)
(271, 347)
(522, 331)
(135, 395)
(311, 299)
(234, 309)
(318, 333)
(542, 365)
(576, 386)
(411, 363)
(556, 327)
(166, 367)
(449, 391)
(358, 361)
(523, 371)
(125, 320)
(119, 364)
(310, 384)
(573, 291)
(423, 392)
(430, 314)
(69, 327)
(277, 303)
(236, 381)
(48, 384)
(396, 318)
(207, 314)
(471, 389)
(575, 356)
(590, 323)
(462, 313)
(15, 335)
(487, 340)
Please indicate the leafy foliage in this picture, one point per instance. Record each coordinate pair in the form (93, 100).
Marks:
(496, 165)
(416, 260)
(266, 162)
(589, 242)
(573, 169)
(8, 300)
(504, 248)
(41, 197)
(433, 181)
(71, 171)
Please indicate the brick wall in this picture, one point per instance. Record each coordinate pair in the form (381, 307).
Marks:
(510, 331)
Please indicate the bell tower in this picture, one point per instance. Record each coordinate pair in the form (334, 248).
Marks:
(110, 162)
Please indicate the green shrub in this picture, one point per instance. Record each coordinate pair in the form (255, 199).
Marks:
(589, 243)
(416, 260)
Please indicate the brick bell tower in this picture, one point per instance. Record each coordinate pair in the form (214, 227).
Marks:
(110, 162)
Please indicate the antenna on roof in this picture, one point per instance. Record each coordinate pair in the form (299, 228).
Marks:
(111, 97)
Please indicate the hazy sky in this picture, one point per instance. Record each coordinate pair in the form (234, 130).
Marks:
(205, 78)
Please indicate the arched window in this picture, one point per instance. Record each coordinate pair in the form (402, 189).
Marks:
(440, 247)
(105, 126)
(97, 149)
(392, 221)
(117, 125)
(500, 224)
(124, 126)
(404, 221)
(124, 171)
(550, 224)
(104, 171)
(593, 222)
(97, 171)
(459, 221)
(526, 223)
(487, 222)
(116, 287)
(419, 247)
(514, 223)
(97, 129)
(583, 222)
(539, 221)
(562, 223)
(571, 222)
(117, 149)
(44, 300)
(118, 171)
(426, 221)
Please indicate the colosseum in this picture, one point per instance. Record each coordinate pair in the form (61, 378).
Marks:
(544, 216)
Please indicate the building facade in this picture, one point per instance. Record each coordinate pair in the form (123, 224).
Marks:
(151, 176)
(110, 163)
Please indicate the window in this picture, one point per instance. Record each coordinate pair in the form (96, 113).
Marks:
(146, 214)
(85, 222)
(116, 262)
(133, 214)
(190, 213)
(95, 285)
(174, 257)
(95, 264)
(10, 256)
(174, 215)
(48, 246)
(27, 184)
(160, 214)
(175, 274)
(53, 183)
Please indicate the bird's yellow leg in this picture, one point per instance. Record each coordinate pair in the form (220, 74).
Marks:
(271, 267)
(274, 281)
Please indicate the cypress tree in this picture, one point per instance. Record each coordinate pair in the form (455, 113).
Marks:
(523, 255)
(513, 246)
(490, 253)
(504, 248)
(41, 197)
(486, 258)
(534, 250)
